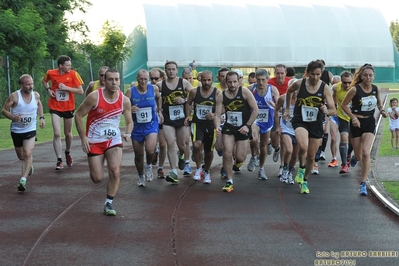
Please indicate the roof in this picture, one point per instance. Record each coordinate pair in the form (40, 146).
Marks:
(250, 35)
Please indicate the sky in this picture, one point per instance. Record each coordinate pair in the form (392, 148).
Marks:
(128, 14)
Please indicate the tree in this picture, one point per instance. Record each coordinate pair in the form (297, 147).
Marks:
(394, 29)
(116, 47)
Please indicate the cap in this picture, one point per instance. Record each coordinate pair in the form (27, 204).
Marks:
(239, 72)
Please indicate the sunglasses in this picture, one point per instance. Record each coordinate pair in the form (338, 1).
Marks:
(347, 83)
(156, 78)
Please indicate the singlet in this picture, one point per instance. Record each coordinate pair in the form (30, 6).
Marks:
(364, 103)
(282, 89)
(307, 104)
(28, 112)
(202, 106)
(64, 100)
(266, 111)
(237, 110)
(341, 93)
(325, 76)
(102, 124)
(173, 113)
(147, 104)
(286, 126)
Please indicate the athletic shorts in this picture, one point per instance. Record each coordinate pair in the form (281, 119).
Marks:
(343, 126)
(228, 130)
(293, 138)
(18, 138)
(314, 129)
(367, 125)
(141, 131)
(66, 114)
(101, 147)
(206, 135)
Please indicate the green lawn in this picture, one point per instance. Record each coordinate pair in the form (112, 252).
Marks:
(43, 135)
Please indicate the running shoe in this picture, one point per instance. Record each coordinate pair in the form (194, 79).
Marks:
(108, 210)
(280, 171)
(333, 163)
(322, 156)
(315, 170)
(223, 174)
(236, 166)
(269, 149)
(344, 169)
(181, 161)
(155, 158)
(31, 171)
(262, 174)
(353, 161)
(290, 179)
(198, 174)
(300, 175)
(284, 176)
(141, 182)
(305, 188)
(148, 174)
(160, 173)
(59, 166)
(228, 187)
(251, 164)
(172, 177)
(276, 155)
(22, 185)
(68, 159)
(363, 189)
(187, 169)
(207, 177)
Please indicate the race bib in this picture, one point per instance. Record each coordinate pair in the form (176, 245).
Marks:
(62, 96)
(109, 132)
(176, 112)
(144, 115)
(234, 118)
(309, 114)
(369, 103)
(263, 115)
(202, 110)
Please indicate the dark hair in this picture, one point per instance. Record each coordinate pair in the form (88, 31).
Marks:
(62, 59)
(110, 70)
(290, 71)
(314, 65)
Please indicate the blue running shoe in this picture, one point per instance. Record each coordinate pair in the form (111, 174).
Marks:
(363, 189)
(353, 161)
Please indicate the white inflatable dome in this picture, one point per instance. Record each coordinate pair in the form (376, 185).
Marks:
(264, 35)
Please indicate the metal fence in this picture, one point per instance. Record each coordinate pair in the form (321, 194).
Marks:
(9, 76)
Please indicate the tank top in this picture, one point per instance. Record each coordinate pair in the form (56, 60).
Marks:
(286, 126)
(266, 111)
(102, 124)
(364, 103)
(341, 93)
(325, 77)
(173, 113)
(237, 110)
(147, 106)
(28, 111)
(307, 104)
(202, 106)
